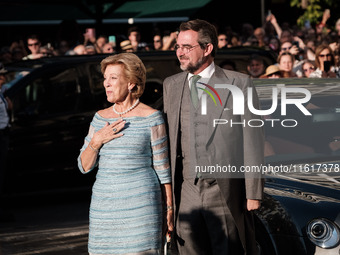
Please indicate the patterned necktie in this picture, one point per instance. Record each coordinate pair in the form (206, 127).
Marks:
(194, 91)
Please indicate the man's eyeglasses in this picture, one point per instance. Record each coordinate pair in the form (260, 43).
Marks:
(33, 44)
(186, 48)
(311, 68)
(325, 55)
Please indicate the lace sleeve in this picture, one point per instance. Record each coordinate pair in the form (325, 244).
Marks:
(159, 144)
(86, 143)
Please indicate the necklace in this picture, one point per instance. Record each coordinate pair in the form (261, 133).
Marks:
(127, 110)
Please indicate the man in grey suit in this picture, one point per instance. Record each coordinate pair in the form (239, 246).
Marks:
(213, 208)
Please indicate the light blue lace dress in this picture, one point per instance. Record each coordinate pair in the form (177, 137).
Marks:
(126, 204)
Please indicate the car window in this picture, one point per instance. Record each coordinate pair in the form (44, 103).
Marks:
(49, 94)
(156, 71)
(299, 138)
(96, 81)
(62, 92)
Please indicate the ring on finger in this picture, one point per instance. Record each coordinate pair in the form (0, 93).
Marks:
(114, 130)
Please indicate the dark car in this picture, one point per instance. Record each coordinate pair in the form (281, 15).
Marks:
(55, 99)
(301, 210)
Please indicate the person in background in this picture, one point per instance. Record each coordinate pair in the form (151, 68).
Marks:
(108, 48)
(295, 46)
(33, 44)
(274, 44)
(255, 66)
(125, 46)
(90, 40)
(336, 53)
(63, 48)
(260, 36)
(169, 41)
(79, 50)
(325, 63)
(286, 62)
(222, 41)
(17, 54)
(286, 36)
(6, 55)
(337, 27)
(100, 42)
(234, 41)
(135, 38)
(18, 50)
(308, 67)
(289, 47)
(291, 43)
(128, 143)
(310, 49)
(48, 51)
(297, 53)
(271, 19)
(157, 42)
(90, 49)
(272, 71)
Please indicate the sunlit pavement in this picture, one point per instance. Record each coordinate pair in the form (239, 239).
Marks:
(45, 226)
(51, 229)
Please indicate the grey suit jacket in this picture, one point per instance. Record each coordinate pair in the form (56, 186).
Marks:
(238, 146)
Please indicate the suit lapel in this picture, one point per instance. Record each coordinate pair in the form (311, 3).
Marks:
(176, 99)
(216, 111)
(176, 90)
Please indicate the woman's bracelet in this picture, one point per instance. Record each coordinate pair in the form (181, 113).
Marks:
(95, 150)
(169, 208)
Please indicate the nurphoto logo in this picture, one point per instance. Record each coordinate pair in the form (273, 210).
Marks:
(239, 103)
(204, 97)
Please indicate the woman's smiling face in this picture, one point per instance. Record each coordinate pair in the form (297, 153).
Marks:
(115, 83)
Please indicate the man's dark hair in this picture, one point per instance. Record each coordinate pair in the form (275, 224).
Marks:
(133, 29)
(257, 58)
(206, 33)
(33, 37)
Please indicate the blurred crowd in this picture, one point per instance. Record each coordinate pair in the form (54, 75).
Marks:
(311, 51)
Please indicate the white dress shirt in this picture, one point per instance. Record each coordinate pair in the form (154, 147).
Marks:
(205, 77)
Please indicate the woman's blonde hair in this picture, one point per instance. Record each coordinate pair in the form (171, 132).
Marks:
(134, 70)
(285, 53)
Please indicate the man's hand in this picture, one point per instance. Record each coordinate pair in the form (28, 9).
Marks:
(294, 50)
(253, 204)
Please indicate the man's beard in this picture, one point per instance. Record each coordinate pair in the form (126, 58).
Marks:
(255, 73)
(192, 68)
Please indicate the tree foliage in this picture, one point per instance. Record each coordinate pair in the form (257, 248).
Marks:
(314, 11)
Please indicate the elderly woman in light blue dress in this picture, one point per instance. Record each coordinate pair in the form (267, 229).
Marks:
(128, 143)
